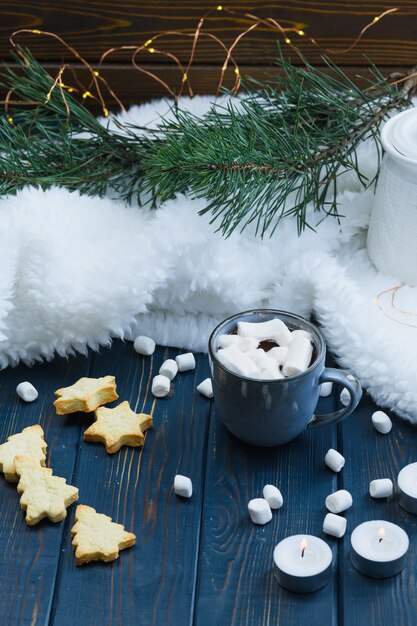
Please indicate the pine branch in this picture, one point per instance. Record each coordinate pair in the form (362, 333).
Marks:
(270, 155)
(257, 160)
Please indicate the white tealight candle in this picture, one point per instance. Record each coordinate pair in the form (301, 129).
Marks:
(407, 488)
(302, 563)
(379, 549)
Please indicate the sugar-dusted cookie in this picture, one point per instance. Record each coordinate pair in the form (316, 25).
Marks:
(43, 495)
(118, 427)
(86, 395)
(96, 537)
(30, 443)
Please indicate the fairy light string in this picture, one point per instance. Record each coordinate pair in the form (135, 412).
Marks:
(97, 83)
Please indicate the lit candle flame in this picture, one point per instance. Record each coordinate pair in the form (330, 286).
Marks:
(303, 545)
(381, 534)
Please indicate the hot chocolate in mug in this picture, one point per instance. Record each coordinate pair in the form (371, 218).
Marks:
(272, 412)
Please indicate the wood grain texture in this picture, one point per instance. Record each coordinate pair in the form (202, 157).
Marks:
(30, 555)
(96, 26)
(370, 455)
(154, 582)
(236, 584)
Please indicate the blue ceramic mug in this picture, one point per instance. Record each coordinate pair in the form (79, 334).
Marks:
(272, 412)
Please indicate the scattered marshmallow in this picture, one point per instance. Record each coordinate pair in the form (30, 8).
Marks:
(259, 511)
(206, 388)
(381, 488)
(144, 345)
(273, 496)
(237, 361)
(339, 501)
(160, 386)
(273, 329)
(334, 525)
(278, 354)
(242, 343)
(26, 391)
(185, 362)
(183, 486)
(334, 460)
(301, 333)
(169, 368)
(344, 397)
(298, 357)
(326, 389)
(382, 422)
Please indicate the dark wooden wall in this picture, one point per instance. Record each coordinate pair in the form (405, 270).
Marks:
(93, 26)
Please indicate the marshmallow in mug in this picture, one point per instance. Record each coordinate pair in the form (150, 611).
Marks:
(242, 343)
(273, 329)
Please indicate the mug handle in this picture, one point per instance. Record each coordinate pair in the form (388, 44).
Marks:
(329, 374)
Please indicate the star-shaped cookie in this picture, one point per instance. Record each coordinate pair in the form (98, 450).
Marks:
(85, 395)
(96, 537)
(43, 495)
(30, 443)
(118, 427)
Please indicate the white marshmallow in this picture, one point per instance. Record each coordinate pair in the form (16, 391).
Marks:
(206, 388)
(326, 389)
(272, 373)
(344, 396)
(26, 391)
(169, 368)
(261, 359)
(298, 357)
(185, 362)
(242, 343)
(273, 329)
(273, 496)
(339, 501)
(382, 422)
(302, 333)
(183, 486)
(259, 511)
(278, 354)
(237, 361)
(334, 460)
(381, 488)
(144, 345)
(334, 525)
(160, 386)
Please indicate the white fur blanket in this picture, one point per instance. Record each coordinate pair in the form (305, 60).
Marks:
(77, 271)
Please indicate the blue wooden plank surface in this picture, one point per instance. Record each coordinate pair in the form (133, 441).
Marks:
(200, 561)
(236, 584)
(154, 582)
(370, 455)
(30, 556)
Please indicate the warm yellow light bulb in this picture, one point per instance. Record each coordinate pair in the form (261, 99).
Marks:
(10, 120)
(105, 111)
(184, 78)
(148, 43)
(36, 32)
(237, 71)
(151, 50)
(70, 89)
(219, 7)
(287, 40)
(376, 19)
(96, 73)
(301, 33)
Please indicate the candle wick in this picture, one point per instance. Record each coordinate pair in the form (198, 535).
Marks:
(380, 539)
(302, 552)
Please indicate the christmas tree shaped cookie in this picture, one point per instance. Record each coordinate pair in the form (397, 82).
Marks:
(96, 537)
(43, 495)
(29, 443)
(85, 395)
(118, 427)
